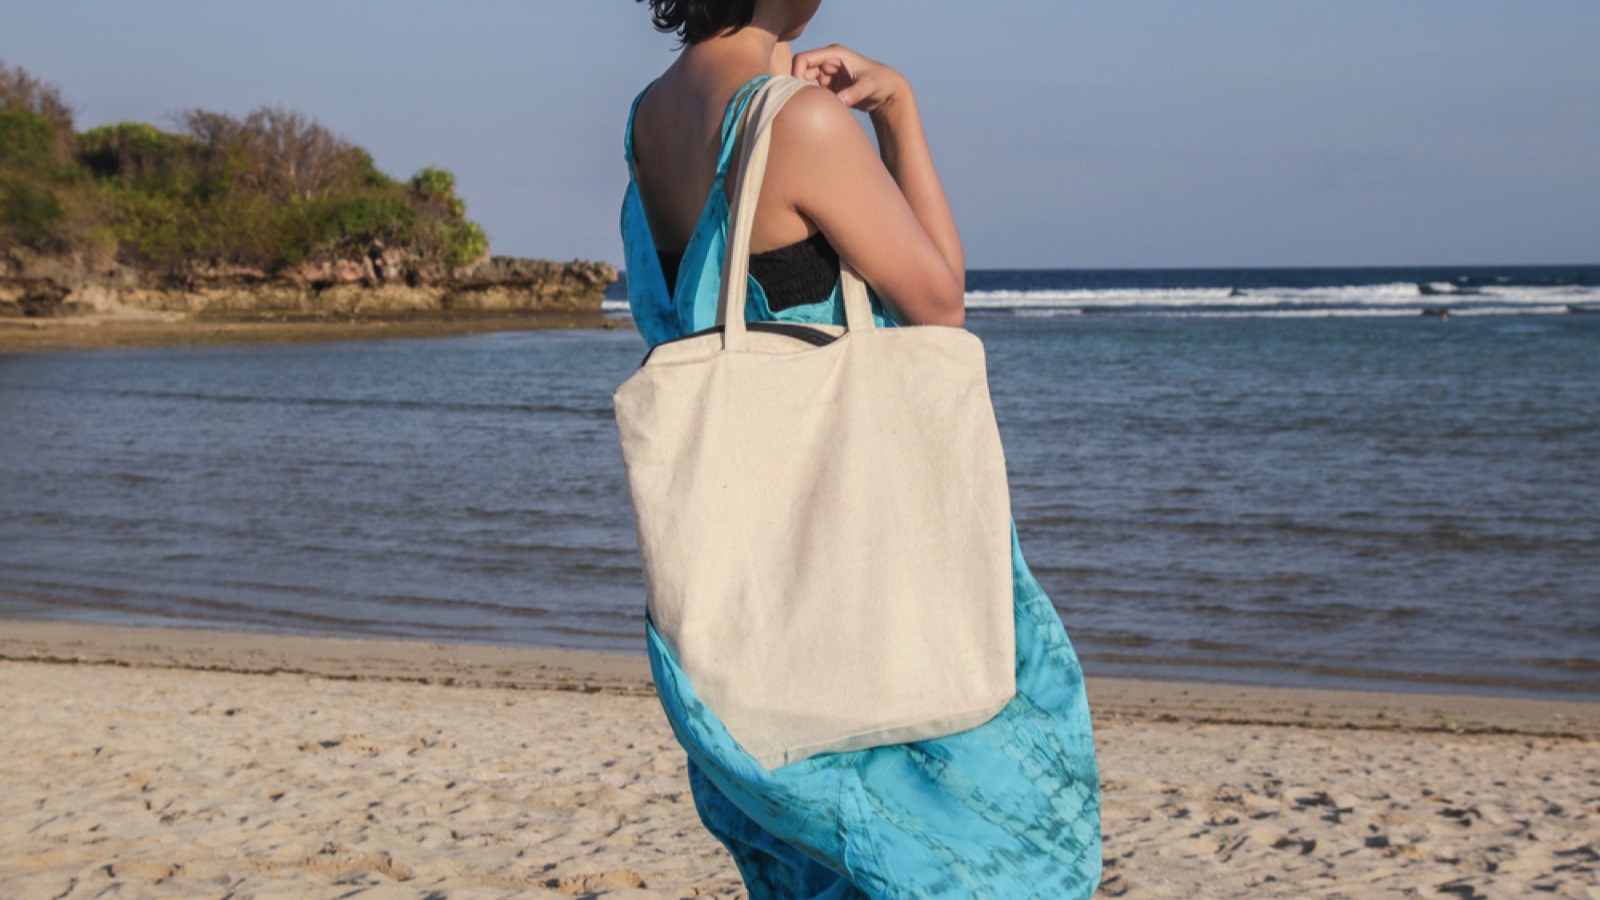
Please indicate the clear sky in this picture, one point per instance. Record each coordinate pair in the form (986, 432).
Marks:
(1104, 133)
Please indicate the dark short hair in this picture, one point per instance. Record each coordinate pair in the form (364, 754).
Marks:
(695, 20)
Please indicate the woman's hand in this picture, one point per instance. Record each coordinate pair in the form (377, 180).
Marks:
(859, 82)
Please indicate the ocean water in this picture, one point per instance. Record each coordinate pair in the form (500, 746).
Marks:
(1362, 478)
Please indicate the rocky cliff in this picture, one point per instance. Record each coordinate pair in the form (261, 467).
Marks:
(384, 283)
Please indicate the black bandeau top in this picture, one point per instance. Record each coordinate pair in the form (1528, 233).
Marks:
(800, 273)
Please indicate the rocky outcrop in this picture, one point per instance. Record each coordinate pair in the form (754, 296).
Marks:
(507, 283)
(384, 283)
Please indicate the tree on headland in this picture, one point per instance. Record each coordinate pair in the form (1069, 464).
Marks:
(288, 157)
(37, 150)
(463, 241)
(267, 191)
(19, 90)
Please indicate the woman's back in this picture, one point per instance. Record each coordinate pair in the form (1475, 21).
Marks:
(677, 140)
(884, 213)
(673, 290)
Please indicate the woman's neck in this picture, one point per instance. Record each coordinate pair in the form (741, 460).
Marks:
(753, 49)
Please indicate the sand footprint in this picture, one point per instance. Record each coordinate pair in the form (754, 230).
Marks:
(578, 885)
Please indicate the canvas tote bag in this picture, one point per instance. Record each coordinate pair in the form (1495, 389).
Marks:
(823, 515)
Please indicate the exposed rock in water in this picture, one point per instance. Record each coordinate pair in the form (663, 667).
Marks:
(384, 283)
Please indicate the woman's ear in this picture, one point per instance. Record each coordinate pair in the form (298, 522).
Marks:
(782, 59)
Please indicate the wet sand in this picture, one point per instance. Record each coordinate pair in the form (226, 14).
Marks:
(21, 335)
(151, 762)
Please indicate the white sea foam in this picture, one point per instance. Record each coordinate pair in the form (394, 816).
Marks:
(1366, 312)
(1175, 297)
(1397, 298)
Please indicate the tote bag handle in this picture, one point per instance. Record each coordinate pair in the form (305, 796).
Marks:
(757, 143)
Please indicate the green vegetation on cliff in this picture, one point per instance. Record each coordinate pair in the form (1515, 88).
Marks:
(266, 191)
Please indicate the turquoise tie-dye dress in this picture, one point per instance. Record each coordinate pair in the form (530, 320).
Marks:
(1008, 809)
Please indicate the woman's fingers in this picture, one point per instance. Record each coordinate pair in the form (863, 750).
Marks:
(817, 57)
(855, 91)
(857, 81)
(825, 63)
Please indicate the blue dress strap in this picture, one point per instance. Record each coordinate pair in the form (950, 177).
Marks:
(731, 119)
(627, 133)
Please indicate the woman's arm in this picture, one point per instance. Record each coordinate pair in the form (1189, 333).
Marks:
(886, 96)
(888, 217)
(904, 148)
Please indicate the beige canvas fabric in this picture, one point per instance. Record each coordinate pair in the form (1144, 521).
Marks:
(825, 530)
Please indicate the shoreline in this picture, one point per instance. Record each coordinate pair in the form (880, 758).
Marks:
(1122, 699)
(125, 331)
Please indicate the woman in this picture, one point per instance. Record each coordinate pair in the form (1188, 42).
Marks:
(1007, 809)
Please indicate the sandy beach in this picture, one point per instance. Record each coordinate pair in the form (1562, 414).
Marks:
(146, 762)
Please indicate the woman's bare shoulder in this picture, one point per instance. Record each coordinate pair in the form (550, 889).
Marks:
(814, 116)
(820, 145)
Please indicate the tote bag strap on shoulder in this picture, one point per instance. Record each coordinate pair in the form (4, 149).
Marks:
(816, 600)
(757, 143)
